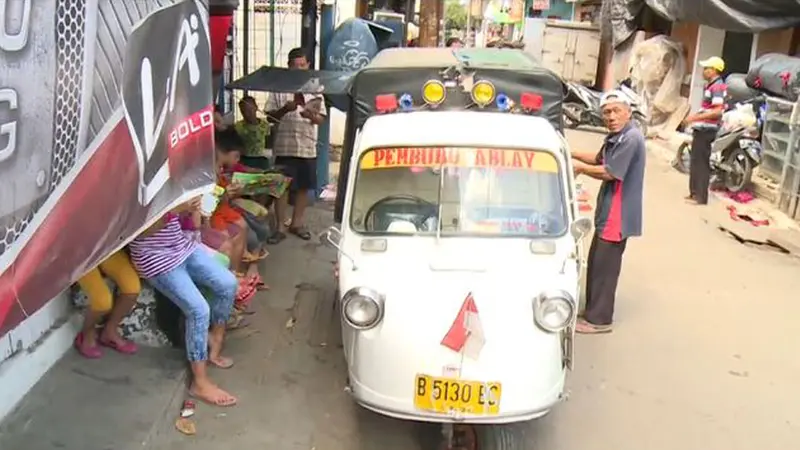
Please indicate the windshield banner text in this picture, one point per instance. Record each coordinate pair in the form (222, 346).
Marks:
(459, 157)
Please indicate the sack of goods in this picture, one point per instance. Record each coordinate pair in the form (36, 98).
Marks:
(738, 90)
(776, 74)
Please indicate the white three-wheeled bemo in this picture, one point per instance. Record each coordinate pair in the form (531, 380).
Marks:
(459, 245)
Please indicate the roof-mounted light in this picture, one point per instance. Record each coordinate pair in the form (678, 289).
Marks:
(433, 92)
(503, 102)
(406, 102)
(385, 103)
(483, 93)
(531, 102)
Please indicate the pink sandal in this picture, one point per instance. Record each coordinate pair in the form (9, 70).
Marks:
(87, 352)
(126, 347)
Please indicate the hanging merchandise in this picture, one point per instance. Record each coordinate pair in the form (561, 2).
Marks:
(777, 74)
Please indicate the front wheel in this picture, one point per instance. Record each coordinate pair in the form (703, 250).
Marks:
(739, 170)
(489, 437)
(641, 122)
(683, 158)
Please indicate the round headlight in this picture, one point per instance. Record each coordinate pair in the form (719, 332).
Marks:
(362, 308)
(554, 311)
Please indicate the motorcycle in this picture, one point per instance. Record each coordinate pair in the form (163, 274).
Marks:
(582, 106)
(736, 151)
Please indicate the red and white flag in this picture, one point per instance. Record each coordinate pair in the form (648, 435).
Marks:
(466, 334)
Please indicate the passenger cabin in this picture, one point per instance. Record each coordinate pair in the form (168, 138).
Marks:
(403, 80)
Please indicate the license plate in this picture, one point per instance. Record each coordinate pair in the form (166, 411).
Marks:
(445, 395)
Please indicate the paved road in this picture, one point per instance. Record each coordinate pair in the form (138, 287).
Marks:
(703, 356)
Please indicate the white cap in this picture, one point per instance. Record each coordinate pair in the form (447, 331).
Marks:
(615, 96)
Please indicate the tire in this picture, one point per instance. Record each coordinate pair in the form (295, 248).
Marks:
(741, 174)
(572, 115)
(682, 159)
(640, 121)
(501, 437)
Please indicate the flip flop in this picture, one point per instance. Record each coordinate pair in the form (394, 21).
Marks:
(126, 347)
(237, 323)
(251, 257)
(258, 282)
(221, 366)
(87, 352)
(301, 232)
(584, 327)
(276, 238)
(220, 403)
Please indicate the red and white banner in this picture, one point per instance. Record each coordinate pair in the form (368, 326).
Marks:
(99, 135)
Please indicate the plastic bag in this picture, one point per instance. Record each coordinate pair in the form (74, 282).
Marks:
(742, 116)
(777, 74)
(738, 90)
(657, 67)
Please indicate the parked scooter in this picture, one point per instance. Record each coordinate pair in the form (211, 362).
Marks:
(736, 151)
(582, 106)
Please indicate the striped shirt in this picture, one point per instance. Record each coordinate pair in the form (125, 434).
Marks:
(162, 251)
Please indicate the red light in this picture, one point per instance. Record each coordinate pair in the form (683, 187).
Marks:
(386, 103)
(531, 102)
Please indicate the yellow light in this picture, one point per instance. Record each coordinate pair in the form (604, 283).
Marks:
(483, 93)
(433, 92)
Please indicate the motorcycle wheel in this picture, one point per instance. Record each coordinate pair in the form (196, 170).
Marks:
(640, 122)
(572, 115)
(683, 156)
(741, 171)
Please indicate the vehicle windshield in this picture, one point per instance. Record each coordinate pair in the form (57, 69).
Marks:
(458, 191)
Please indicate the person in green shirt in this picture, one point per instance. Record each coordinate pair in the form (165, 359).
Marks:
(254, 132)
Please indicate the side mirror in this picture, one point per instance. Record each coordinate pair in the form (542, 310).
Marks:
(333, 236)
(580, 227)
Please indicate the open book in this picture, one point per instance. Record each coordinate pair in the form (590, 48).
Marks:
(273, 184)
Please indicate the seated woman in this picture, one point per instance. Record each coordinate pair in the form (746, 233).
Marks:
(268, 186)
(117, 267)
(177, 267)
(228, 228)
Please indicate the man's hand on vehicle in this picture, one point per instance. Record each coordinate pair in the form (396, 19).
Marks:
(579, 167)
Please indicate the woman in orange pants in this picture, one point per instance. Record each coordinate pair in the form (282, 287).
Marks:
(118, 267)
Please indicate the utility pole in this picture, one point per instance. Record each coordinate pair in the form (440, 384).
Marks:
(429, 20)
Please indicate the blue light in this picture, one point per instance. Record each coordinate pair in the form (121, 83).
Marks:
(502, 102)
(406, 102)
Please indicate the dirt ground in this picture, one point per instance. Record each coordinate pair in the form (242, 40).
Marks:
(702, 357)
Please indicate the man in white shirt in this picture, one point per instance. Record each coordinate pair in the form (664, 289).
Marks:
(295, 147)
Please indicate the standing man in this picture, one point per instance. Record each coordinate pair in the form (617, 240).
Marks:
(620, 166)
(297, 117)
(706, 124)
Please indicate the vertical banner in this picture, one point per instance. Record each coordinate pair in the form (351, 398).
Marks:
(99, 135)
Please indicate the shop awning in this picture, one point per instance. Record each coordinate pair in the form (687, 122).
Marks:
(745, 16)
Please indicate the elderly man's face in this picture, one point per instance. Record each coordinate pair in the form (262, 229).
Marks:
(616, 115)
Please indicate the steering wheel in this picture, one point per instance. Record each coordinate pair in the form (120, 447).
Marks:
(427, 208)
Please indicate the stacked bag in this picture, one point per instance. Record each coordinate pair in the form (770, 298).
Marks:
(776, 74)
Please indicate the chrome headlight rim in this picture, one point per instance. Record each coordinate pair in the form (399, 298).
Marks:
(549, 296)
(363, 292)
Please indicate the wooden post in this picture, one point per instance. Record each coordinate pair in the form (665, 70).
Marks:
(429, 23)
